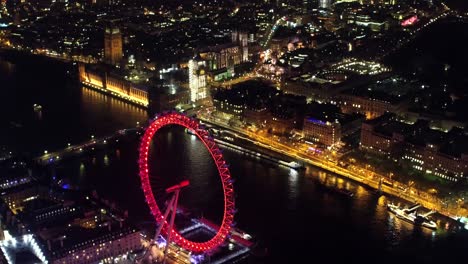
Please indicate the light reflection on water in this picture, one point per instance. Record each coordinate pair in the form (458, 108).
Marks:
(107, 106)
(301, 193)
(284, 208)
(293, 190)
(106, 160)
(6, 68)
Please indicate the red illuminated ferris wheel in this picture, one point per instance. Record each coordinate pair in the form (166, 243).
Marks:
(175, 118)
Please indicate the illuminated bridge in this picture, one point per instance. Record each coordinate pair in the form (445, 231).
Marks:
(84, 147)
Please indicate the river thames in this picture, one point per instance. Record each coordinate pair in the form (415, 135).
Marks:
(293, 214)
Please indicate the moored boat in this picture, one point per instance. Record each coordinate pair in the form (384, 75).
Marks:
(37, 107)
(410, 215)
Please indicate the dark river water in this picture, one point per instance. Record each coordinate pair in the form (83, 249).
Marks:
(291, 213)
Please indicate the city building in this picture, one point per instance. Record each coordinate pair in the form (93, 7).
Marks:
(372, 100)
(219, 57)
(241, 38)
(103, 244)
(231, 106)
(104, 80)
(381, 135)
(256, 116)
(370, 107)
(42, 224)
(325, 4)
(322, 132)
(223, 56)
(220, 60)
(112, 46)
(442, 154)
(306, 6)
(375, 20)
(281, 123)
(313, 87)
(260, 105)
(11, 179)
(197, 80)
(164, 97)
(221, 74)
(153, 94)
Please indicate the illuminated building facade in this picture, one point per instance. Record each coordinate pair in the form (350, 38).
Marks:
(306, 4)
(281, 123)
(377, 98)
(222, 56)
(256, 116)
(375, 142)
(429, 159)
(107, 82)
(227, 55)
(57, 230)
(322, 132)
(370, 107)
(9, 182)
(197, 80)
(233, 107)
(109, 244)
(378, 2)
(219, 61)
(365, 20)
(221, 74)
(112, 46)
(241, 38)
(325, 4)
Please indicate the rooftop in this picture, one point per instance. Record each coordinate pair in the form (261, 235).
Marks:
(220, 47)
(391, 90)
(76, 238)
(394, 126)
(64, 225)
(454, 143)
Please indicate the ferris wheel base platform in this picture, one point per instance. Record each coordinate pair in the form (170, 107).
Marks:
(236, 247)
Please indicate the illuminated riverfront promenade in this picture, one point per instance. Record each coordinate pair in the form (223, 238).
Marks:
(60, 56)
(366, 177)
(119, 95)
